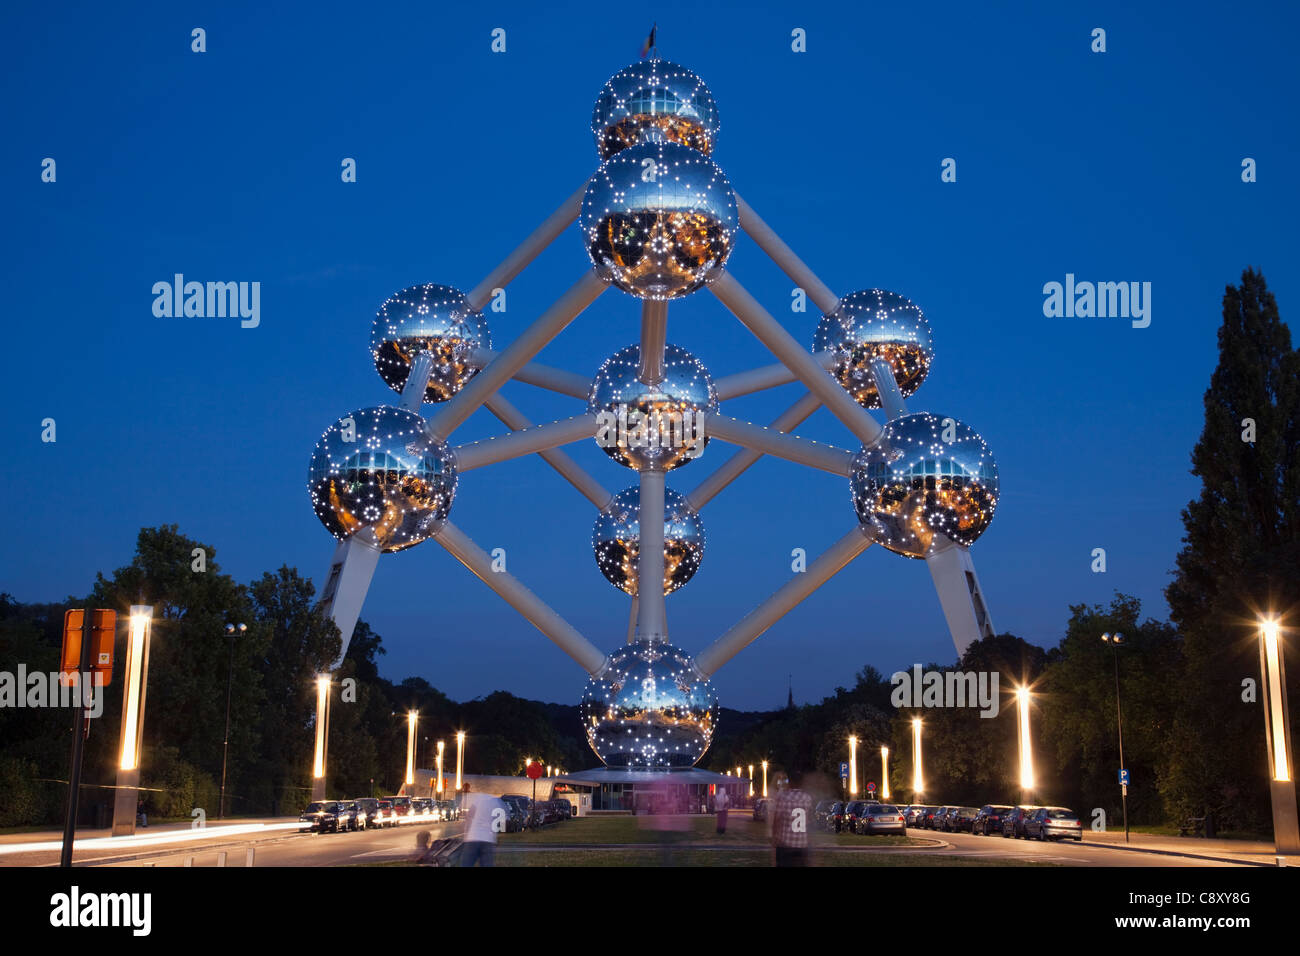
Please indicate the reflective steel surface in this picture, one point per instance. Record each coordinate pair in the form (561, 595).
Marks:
(616, 540)
(873, 324)
(650, 708)
(659, 220)
(659, 426)
(428, 318)
(388, 478)
(915, 484)
(654, 95)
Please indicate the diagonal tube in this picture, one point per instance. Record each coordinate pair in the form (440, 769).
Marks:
(802, 451)
(744, 632)
(543, 376)
(782, 344)
(514, 357)
(737, 464)
(525, 441)
(757, 379)
(784, 257)
(534, 610)
(570, 470)
(529, 249)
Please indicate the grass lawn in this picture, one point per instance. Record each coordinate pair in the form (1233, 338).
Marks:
(741, 831)
(742, 857)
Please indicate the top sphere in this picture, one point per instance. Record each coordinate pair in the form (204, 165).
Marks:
(428, 318)
(875, 324)
(654, 94)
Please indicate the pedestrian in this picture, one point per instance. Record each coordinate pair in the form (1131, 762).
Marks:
(721, 805)
(789, 813)
(485, 817)
(140, 814)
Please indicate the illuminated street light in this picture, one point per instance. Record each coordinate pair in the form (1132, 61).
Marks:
(1277, 741)
(460, 757)
(918, 781)
(751, 779)
(884, 773)
(1115, 640)
(765, 779)
(412, 719)
(322, 732)
(441, 746)
(127, 796)
(853, 766)
(1026, 753)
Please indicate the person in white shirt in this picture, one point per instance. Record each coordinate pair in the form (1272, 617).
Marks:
(485, 817)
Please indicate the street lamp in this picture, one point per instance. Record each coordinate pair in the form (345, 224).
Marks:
(133, 700)
(1115, 640)
(441, 745)
(460, 756)
(412, 721)
(751, 779)
(1026, 752)
(884, 772)
(322, 717)
(765, 779)
(918, 782)
(853, 766)
(1277, 741)
(231, 631)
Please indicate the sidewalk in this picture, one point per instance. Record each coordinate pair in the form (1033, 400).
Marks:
(1229, 851)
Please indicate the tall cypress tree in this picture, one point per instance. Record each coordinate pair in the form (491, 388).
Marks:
(1241, 557)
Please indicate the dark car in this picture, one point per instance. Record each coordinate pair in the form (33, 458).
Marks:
(881, 818)
(350, 816)
(934, 819)
(822, 811)
(913, 814)
(320, 817)
(518, 810)
(422, 809)
(1053, 823)
(989, 819)
(367, 810)
(760, 809)
(835, 817)
(1013, 823)
(960, 818)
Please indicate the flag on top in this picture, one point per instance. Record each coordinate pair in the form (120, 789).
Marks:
(649, 42)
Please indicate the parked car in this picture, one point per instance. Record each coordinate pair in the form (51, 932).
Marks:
(422, 808)
(1054, 823)
(447, 810)
(384, 816)
(518, 808)
(914, 813)
(822, 811)
(960, 818)
(852, 812)
(760, 809)
(934, 820)
(835, 817)
(320, 817)
(401, 808)
(350, 817)
(882, 818)
(1013, 823)
(367, 812)
(989, 819)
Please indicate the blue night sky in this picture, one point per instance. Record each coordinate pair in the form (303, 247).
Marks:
(1123, 166)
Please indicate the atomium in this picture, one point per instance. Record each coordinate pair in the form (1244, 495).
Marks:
(649, 708)
(616, 540)
(375, 470)
(875, 324)
(428, 318)
(916, 483)
(654, 95)
(660, 426)
(659, 219)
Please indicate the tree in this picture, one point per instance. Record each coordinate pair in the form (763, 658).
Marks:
(1240, 556)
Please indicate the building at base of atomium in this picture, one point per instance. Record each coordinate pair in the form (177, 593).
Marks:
(658, 220)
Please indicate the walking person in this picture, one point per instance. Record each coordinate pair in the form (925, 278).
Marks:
(721, 805)
(485, 817)
(790, 813)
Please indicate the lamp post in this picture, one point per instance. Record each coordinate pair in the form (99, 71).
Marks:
(918, 781)
(440, 749)
(133, 700)
(1277, 740)
(231, 631)
(1115, 640)
(1026, 751)
(764, 779)
(751, 779)
(884, 773)
(460, 757)
(853, 766)
(412, 722)
(322, 737)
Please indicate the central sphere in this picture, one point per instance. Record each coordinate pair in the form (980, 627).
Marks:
(927, 476)
(874, 324)
(376, 470)
(616, 539)
(652, 427)
(650, 708)
(654, 95)
(659, 220)
(428, 318)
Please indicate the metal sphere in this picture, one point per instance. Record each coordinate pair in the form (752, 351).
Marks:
(428, 318)
(913, 484)
(659, 220)
(616, 539)
(875, 324)
(652, 427)
(649, 708)
(654, 95)
(375, 470)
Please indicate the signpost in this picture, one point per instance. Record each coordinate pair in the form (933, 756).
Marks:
(534, 771)
(87, 643)
(871, 786)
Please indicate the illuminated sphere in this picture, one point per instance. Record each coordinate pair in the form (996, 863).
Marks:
(913, 485)
(659, 220)
(616, 539)
(390, 479)
(654, 95)
(875, 324)
(428, 318)
(652, 427)
(649, 708)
